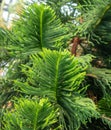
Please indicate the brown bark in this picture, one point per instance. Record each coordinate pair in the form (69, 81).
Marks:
(75, 42)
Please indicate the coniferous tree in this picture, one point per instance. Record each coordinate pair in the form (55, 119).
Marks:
(89, 21)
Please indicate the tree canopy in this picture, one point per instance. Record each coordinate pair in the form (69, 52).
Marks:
(56, 58)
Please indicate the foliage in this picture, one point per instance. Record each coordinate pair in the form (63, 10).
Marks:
(104, 106)
(51, 76)
(102, 79)
(65, 10)
(30, 114)
(33, 31)
(96, 20)
(36, 30)
(3, 41)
